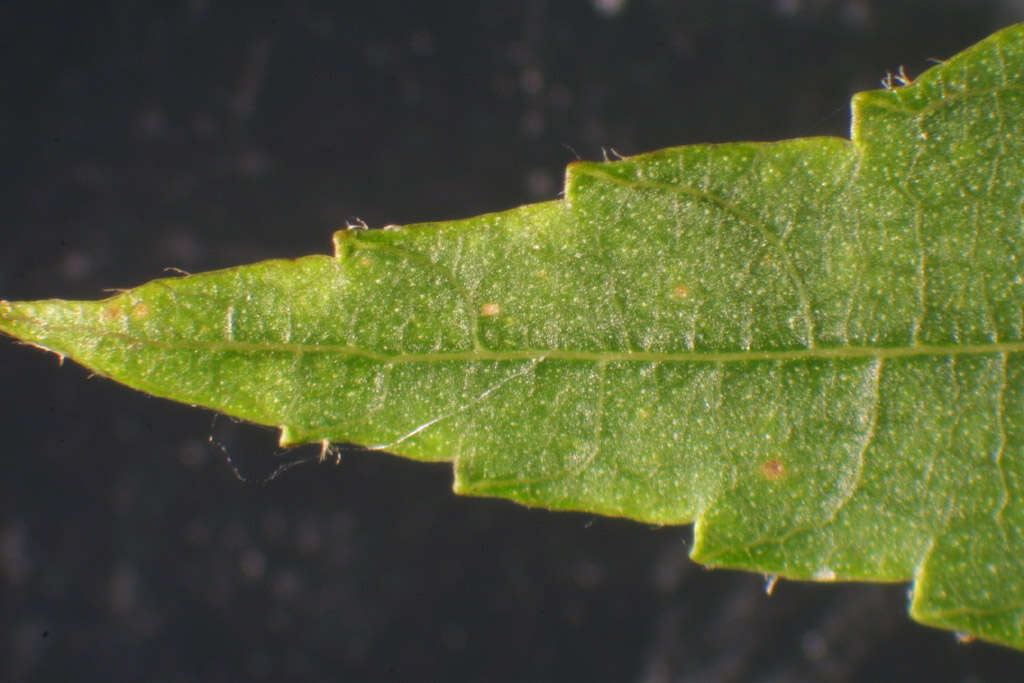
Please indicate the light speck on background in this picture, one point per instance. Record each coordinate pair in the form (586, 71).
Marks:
(609, 8)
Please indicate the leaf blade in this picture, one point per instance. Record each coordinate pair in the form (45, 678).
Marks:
(812, 348)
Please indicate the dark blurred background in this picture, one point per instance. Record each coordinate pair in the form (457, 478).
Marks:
(198, 135)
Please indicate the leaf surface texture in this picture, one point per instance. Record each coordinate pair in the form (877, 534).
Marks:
(813, 349)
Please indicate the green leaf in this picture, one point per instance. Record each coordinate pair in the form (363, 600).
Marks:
(813, 349)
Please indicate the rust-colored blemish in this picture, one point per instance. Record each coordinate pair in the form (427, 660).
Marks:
(111, 313)
(490, 310)
(140, 310)
(772, 470)
(680, 292)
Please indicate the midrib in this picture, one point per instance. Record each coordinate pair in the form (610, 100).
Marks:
(625, 356)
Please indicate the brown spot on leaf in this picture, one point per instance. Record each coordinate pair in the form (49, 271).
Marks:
(111, 313)
(680, 292)
(772, 470)
(140, 310)
(490, 309)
